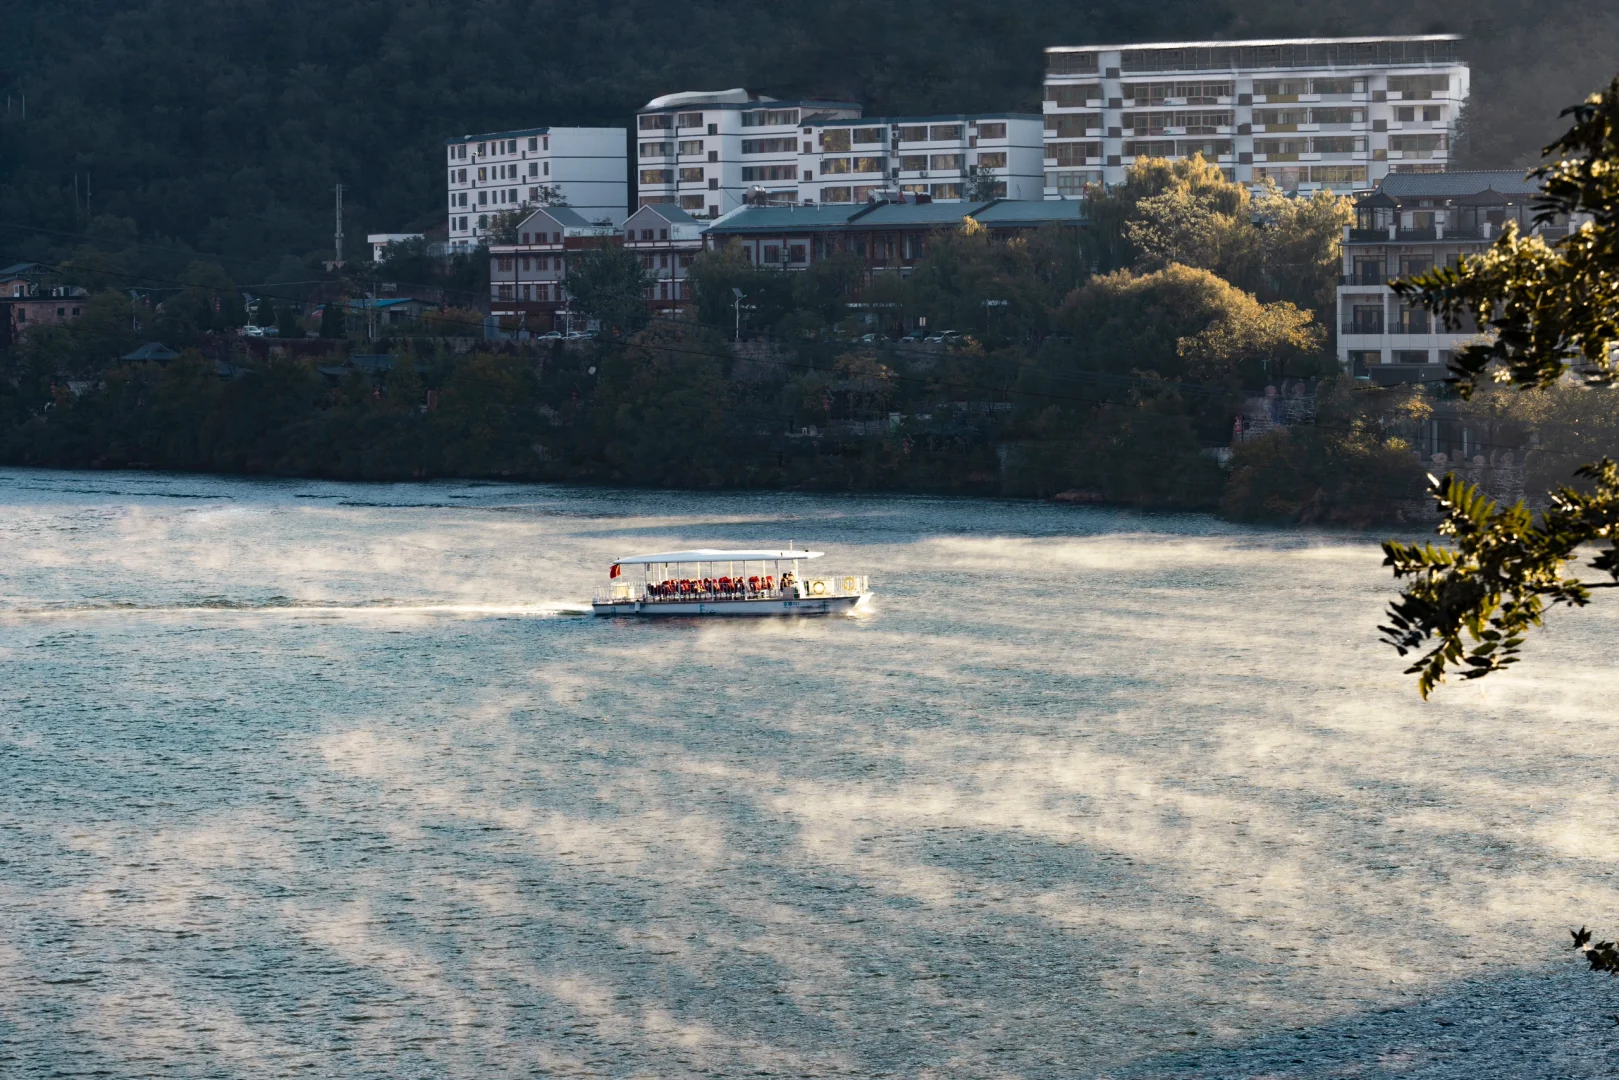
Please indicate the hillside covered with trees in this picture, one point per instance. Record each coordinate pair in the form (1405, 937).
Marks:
(217, 128)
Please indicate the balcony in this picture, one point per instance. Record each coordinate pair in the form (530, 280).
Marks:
(1413, 236)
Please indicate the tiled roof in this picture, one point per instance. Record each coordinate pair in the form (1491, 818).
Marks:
(669, 212)
(786, 218)
(1008, 212)
(1452, 184)
(1002, 212)
(153, 351)
(928, 213)
(562, 215)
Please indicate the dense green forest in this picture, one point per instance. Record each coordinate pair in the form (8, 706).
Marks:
(1110, 370)
(218, 127)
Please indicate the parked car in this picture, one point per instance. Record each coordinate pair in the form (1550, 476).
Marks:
(913, 337)
(549, 335)
(250, 331)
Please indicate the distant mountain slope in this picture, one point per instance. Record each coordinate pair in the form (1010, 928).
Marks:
(223, 123)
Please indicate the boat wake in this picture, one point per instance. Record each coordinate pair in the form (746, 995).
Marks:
(287, 605)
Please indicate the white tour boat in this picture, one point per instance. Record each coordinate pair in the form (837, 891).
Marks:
(709, 581)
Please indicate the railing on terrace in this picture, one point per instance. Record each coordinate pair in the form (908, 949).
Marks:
(808, 588)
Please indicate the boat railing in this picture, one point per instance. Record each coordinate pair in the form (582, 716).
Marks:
(809, 588)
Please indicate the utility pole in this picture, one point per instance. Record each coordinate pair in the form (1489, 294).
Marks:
(739, 299)
(337, 240)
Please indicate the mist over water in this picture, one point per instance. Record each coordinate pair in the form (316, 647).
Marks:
(340, 780)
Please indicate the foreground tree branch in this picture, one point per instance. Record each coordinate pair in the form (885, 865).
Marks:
(1548, 311)
(1504, 571)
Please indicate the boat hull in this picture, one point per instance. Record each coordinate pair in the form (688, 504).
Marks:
(811, 605)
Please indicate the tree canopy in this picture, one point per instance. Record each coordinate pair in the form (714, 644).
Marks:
(1551, 312)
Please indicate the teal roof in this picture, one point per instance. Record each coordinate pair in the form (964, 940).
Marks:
(1455, 184)
(1001, 213)
(784, 219)
(362, 303)
(1006, 213)
(152, 351)
(913, 214)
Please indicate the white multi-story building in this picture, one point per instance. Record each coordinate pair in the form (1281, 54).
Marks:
(513, 170)
(705, 152)
(948, 158)
(1307, 113)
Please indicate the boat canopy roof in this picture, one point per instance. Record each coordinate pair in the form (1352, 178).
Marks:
(718, 555)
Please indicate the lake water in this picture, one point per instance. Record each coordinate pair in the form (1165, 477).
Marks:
(322, 779)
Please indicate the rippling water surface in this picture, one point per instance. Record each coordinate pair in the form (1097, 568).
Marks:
(341, 780)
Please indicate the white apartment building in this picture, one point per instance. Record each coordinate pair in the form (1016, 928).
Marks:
(511, 170)
(1308, 113)
(948, 158)
(705, 151)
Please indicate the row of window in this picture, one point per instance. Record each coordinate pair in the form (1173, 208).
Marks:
(528, 263)
(693, 148)
(1203, 93)
(860, 192)
(1418, 144)
(837, 166)
(666, 122)
(1289, 177)
(1365, 319)
(499, 146)
(769, 146)
(543, 292)
(1075, 124)
(1408, 114)
(769, 117)
(61, 313)
(1143, 121)
(1315, 54)
(1073, 184)
(493, 197)
(662, 261)
(1322, 144)
(500, 172)
(1281, 117)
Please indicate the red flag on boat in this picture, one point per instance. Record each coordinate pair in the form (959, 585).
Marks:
(615, 571)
